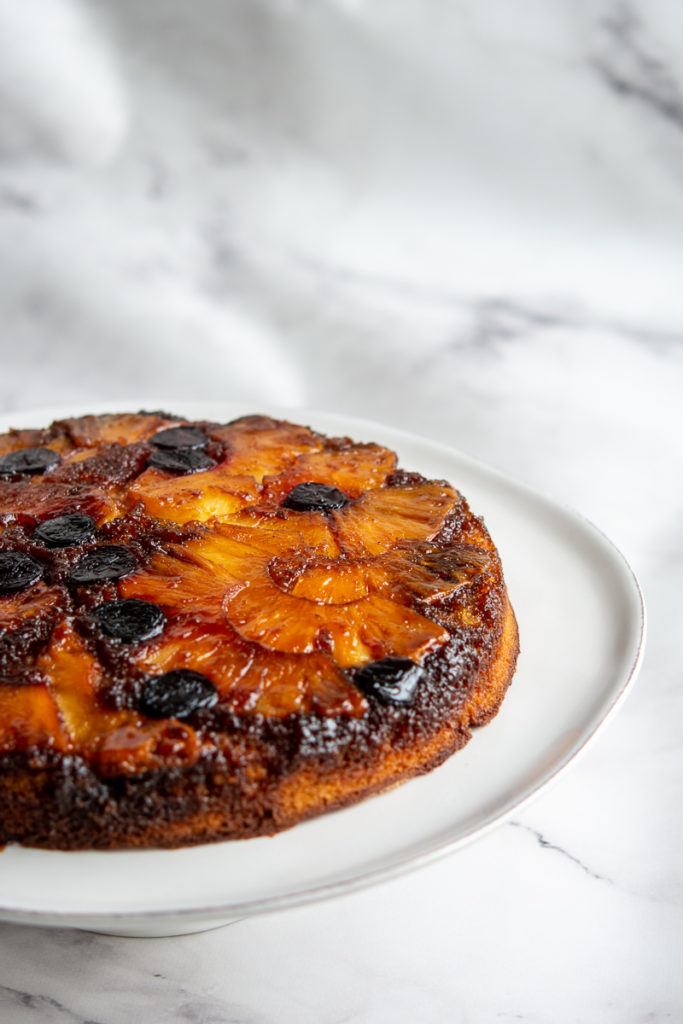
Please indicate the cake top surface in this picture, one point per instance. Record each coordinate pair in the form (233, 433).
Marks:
(158, 575)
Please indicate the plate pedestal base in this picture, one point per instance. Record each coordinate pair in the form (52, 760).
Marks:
(163, 928)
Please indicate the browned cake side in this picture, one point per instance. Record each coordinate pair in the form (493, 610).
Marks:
(212, 648)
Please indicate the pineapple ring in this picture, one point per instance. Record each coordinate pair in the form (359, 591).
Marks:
(321, 580)
(305, 582)
(354, 633)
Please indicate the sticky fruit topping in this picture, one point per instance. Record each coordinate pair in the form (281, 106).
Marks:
(181, 461)
(176, 694)
(107, 562)
(315, 497)
(65, 531)
(29, 460)
(17, 571)
(130, 620)
(175, 438)
(390, 680)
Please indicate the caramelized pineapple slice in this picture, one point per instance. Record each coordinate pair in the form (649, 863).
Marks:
(353, 632)
(30, 498)
(353, 469)
(383, 517)
(123, 428)
(255, 604)
(119, 742)
(248, 678)
(259, 446)
(17, 439)
(74, 680)
(192, 585)
(29, 717)
(202, 641)
(307, 530)
(37, 603)
(341, 618)
(321, 580)
(177, 582)
(422, 571)
(280, 684)
(229, 585)
(211, 494)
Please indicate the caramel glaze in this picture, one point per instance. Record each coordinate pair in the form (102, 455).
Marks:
(88, 770)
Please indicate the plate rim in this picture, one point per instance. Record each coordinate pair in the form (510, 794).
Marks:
(399, 865)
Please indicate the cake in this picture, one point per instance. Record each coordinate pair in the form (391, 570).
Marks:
(217, 631)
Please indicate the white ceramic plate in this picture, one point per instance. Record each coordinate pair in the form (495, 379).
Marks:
(581, 623)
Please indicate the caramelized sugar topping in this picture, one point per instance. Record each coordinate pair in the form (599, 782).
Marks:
(261, 605)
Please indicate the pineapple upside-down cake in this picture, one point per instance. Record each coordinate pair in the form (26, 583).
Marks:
(215, 631)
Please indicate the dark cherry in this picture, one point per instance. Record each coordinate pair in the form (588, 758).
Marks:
(184, 460)
(108, 562)
(64, 531)
(130, 620)
(314, 497)
(390, 680)
(17, 571)
(176, 694)
(29, 460)
(180, 437)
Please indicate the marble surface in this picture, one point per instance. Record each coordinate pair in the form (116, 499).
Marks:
(460, 219)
